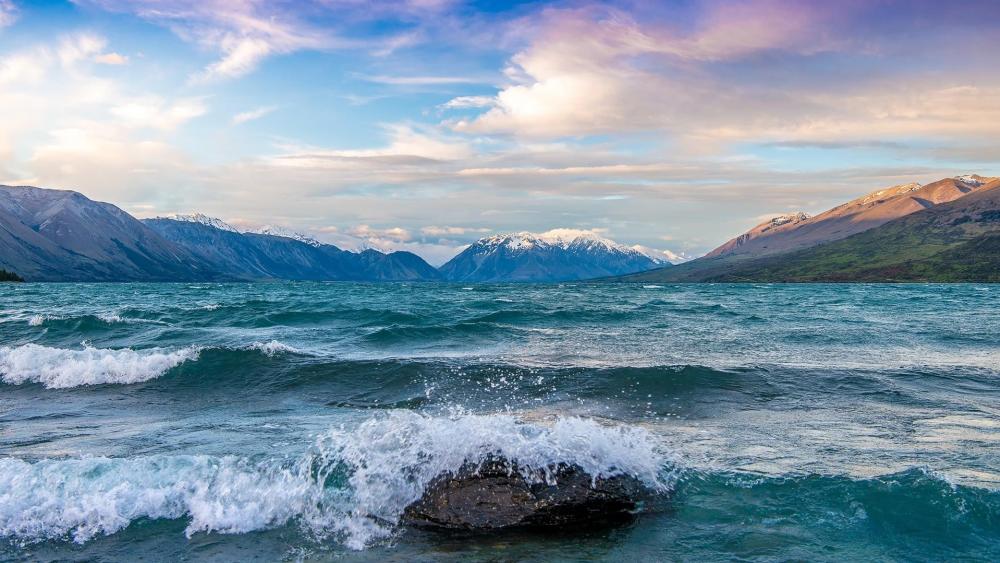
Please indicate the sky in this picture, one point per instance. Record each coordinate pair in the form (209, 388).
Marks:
(423, 125)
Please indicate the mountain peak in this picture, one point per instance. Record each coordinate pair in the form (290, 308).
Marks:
(202, 219)
(786, 218)
(973, 179)
(554, 255)
(561, 238)
(277, 231)
(886, 193)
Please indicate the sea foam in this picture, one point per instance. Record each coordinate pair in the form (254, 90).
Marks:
(351, 486)
(59, 368)
(272, 348)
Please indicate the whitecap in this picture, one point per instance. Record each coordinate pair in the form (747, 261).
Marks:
(110, 318)
(59, 368)
(272, 347)
(352, 485)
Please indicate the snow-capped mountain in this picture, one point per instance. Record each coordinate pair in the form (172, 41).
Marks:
(271, 230)
(662, 257)
(556, 255)
(276, 231)
(974, 179)
(202, 219)
(276, 253)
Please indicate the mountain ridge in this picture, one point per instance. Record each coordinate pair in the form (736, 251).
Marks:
(61, 235)
(917, 246)
(868, 211)
(555, 255)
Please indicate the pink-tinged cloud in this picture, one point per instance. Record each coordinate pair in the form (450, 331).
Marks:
(741, 72)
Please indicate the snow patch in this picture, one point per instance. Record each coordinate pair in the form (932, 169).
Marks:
(276, 231)
(202, 219)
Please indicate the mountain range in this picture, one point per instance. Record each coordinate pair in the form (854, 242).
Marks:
(60, 235)
(556, 255)
(944, 231)
(948, 230)
(284, 255)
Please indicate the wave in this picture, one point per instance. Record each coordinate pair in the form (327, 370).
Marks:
(272, 348)
(59, 368)
(351, 486)
(87, 322)
(911, 511)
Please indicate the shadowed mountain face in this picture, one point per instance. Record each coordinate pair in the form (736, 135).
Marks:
(528, 257)
(259, 256)
(950, 241)
(57, 235)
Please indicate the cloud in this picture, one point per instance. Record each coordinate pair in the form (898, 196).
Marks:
(450, 231)
(394, 234)
(253, 114)
(156, 113)
(742, 71)
(409, 146)
(114, 59)
(465, 102)
(422, 80)
(242, 55)
(243, 32)
(25, 68)
(8, 13)
(641, 120)
(106, 159)
(79, 47)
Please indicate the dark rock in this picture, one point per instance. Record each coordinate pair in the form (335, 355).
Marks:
(496, 495)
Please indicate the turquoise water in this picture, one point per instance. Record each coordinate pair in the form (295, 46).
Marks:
(295, 421)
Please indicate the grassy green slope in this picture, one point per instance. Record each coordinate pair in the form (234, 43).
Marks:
(957, 241)
(953, 242)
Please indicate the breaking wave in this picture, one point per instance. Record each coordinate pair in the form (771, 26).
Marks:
(351, 486)
(59, 368)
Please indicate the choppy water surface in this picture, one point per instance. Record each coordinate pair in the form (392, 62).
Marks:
(296, 421)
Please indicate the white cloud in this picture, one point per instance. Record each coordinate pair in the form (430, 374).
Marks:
(114, 59)
(243, 32)
(8, 13)
(253, 114)
(156, 113)
(436, 231)
(465, 102)
(408, 146)
(242, 55)
(79, 47)
(599, 71)
(109, 163)
(394, 234)
(23, 68)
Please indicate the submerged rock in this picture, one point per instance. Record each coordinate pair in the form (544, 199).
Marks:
(496, 494)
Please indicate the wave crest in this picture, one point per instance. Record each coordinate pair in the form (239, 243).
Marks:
(58, 368)
(352, 485)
